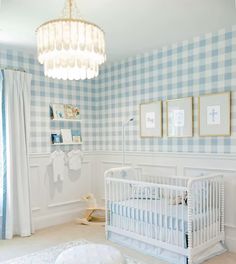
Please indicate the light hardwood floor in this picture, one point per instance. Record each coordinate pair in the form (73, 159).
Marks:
(63, 233)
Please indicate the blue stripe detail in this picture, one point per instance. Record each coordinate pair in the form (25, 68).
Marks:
(4, 160)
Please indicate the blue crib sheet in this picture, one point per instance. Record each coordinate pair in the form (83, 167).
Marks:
(154, 212)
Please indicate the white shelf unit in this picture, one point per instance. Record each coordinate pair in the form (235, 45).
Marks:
(71, 143)
(66, 120)
(57, 121)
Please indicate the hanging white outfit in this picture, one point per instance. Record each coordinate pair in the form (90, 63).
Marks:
(58, 161)
(75, 158)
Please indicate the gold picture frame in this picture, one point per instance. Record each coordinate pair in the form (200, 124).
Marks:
(217, 129)
(151, 126)
(184, 116)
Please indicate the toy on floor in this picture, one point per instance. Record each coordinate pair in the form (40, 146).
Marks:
(93, 212)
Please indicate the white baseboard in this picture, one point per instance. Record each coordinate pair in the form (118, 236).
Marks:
(231, 243)
(49, 220)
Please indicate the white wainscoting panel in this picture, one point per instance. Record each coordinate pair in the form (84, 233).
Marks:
(55, 203)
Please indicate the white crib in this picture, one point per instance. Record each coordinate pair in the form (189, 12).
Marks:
(178, 219)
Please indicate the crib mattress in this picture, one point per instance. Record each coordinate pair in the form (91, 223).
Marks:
(154, 212)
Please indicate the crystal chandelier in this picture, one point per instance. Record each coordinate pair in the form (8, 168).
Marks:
(70, 47)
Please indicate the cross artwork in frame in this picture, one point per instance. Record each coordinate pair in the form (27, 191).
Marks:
(214, 114)
(180, 117)
(151, 119)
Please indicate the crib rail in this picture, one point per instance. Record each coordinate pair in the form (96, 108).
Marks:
(205, 211)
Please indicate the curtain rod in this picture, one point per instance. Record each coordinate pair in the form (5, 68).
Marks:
(12, 69)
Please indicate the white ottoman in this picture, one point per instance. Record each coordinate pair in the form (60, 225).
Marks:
(91, 254)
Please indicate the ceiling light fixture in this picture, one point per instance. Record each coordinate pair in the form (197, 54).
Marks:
(70, 47)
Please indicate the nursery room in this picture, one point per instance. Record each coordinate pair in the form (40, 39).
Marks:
(117, 132)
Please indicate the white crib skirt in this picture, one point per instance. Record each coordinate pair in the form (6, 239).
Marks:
(147, 249)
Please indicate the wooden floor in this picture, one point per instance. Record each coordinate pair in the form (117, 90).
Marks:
(68, 232)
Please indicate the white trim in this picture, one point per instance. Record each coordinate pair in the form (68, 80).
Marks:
(208, 169)
(147, 154)
(65, 120)
(58, 218)
(34, 209)
(64, 203)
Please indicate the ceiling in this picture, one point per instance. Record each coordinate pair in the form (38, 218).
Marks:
(131, 26)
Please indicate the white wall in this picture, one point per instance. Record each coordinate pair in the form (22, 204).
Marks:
(57, 203)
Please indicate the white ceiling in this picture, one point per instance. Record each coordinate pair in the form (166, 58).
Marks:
(131, 26)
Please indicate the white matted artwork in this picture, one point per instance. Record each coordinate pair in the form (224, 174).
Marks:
(180, 117)
(151, 119)
(214, 114)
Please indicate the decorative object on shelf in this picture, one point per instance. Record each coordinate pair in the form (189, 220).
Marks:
(72, 111)
(66, 136)
(57, 111)
(180, 117)
(64, 112)
(214, 114)
(56, 138)
(77, 139)
(70, 47)
(151, 119)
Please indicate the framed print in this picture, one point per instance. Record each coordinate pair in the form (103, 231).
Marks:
(151, 119)
(57, 111)
(214, 114)
(179, 117)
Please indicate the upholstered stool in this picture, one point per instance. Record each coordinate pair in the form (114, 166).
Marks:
(90, 254)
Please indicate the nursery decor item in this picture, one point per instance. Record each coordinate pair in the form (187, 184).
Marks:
(66, 135)
(214, 118)
(56, 138)
(57, 111)
(72, 111)
(124, 125)
(49, 255)
(93, 212)
(91, 254)
(179, 117)
(70, 48)
(151, 119)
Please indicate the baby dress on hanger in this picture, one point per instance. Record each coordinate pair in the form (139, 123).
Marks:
(75, 158)
(58, 161)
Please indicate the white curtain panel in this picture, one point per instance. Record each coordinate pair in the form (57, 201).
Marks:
(17, 100)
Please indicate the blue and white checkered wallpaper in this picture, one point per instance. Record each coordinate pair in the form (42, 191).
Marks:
(207, 64)
(45, 91)
(204, 65)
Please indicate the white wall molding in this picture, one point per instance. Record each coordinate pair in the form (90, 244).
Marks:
(60, 202)
(148, 154)
(65, 203)
(187, 155)
(220, 170)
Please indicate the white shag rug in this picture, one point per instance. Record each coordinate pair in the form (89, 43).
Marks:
(49, 255)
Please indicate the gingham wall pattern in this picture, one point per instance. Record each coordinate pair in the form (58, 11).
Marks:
(45, 91)
(204, 65)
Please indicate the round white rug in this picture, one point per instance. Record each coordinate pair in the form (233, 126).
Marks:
(49, 255)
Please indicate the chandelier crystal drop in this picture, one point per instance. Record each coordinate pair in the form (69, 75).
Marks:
(70, 48)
